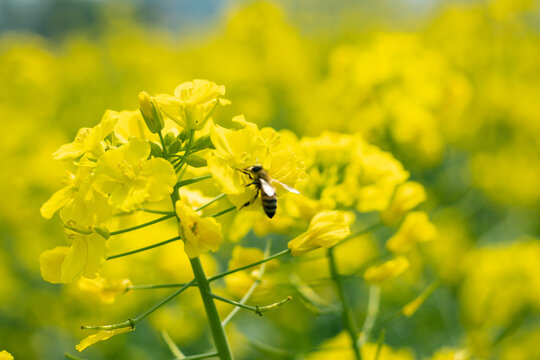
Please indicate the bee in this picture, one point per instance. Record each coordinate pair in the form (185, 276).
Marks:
(263, 183)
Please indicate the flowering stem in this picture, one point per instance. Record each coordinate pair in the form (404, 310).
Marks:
(275, 256)
(256, 309)
(222, 212)
(346, 314)
(186, 154)
(372, 311)
(144, 248)
(165, 153)
(217, 198)
(165, 217)
(251, 290)
(191, 181)
(218, 333)
(132, 322)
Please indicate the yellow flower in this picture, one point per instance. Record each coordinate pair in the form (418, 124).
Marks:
(4, 355)
(325, 230)
(388, 270)
(100, 336)
(130, 178)
(89, 140)
(199, 234)
(106, 289)
(192, 103)
(81, 206)
(85, 256)
(247, 146)
(406, 197)
(415, 228)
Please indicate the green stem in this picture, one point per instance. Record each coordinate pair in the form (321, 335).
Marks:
(379, 345)
(218, 333)
(186, 154)
(73, 357)
(144, 248)
(132, 322)
(346, 313)
(191, 181)
(217, 198)
(162, 212)
(222, 212)
(275, 256)
(361, 232)
(171, 345)
(372, 311)
(165, 152)
(168, 216)
(256, 309)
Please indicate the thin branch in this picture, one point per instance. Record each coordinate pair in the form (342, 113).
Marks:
(256, 309)
(251, 290)
(171, 345)
(157, 286)
(372, 311)
(223, 212)
(168, 216)
(217, 198)
(191, 181)
(199, 356)
(163, 212)
(132, 322)
(144, 248)
(272, 257)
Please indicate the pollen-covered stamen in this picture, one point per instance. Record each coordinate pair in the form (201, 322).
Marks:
(126, 169)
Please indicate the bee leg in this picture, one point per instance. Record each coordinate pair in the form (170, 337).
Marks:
(245, 172)
(250, 201)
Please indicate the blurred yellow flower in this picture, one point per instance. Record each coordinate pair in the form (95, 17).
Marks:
(100, 336)
(406, 197)
(4, 355)
(85, 256)
(130, 178)
(415, 228)
(192, 103)
(105, 289)
(89, 140)
(452, 354)
(199, 234)
(325, 230)
(377, 274)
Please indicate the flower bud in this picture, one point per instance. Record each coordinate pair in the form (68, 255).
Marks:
(150, 112)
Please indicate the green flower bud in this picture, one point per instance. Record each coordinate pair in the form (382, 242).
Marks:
(150, 112)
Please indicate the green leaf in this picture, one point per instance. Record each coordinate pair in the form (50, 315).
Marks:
(155, 149)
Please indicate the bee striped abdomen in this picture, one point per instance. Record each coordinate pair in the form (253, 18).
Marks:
(269, 204)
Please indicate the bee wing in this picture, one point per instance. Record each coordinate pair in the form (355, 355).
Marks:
(267, 188)
(287, 187)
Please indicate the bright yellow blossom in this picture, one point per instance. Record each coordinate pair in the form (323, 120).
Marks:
(377, 274)
(199, 234)
(415, 228)
(192, 103)
(100, 336)
(325, 230)
(79, 204)
(85, 256)
(89, 140)
(106, 289)
(247, 146)
(130, 178)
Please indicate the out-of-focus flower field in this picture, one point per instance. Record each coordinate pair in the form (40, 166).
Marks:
(442, 99)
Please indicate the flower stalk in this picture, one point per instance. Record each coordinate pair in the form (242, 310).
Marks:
(346, 313)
